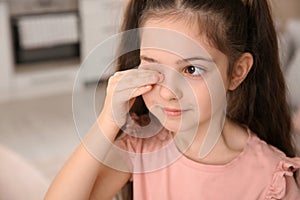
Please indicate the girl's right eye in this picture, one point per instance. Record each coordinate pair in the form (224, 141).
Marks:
(194, 70)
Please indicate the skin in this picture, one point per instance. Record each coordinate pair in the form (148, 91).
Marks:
(84, 177)
(233, 137)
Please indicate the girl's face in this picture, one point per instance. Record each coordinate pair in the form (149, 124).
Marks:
(195, 80)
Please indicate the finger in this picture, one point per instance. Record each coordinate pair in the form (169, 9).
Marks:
(135, 72)
(126, 95)
(137, 78)
(141, 90)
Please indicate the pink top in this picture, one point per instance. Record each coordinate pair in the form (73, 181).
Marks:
(260, 172)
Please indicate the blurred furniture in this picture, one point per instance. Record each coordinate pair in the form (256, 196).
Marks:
(44, 30)
(285, 10)
(20, 77)
(45, 37)
(289, 48)
(6, 58)
(26, 7)
(100, 19)
(22, 80)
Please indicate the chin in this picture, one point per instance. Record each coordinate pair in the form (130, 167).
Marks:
(179, 124)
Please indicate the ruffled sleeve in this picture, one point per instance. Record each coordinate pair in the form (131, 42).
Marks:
(283, 185)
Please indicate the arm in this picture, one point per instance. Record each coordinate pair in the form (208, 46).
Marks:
(83, 176)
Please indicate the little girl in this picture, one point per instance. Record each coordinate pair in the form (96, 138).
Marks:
(250, 153)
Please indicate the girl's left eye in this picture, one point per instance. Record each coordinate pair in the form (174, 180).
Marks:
(193, 70)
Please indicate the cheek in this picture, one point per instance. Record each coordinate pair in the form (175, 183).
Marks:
(203, 100)
(215, 92)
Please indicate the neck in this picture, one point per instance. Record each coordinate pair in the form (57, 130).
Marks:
(218, 144)
(193, 140)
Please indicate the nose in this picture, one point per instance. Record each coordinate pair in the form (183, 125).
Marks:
(169, 89)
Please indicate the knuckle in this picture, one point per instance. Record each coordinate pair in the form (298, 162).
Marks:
(118, 73)
(111, 81)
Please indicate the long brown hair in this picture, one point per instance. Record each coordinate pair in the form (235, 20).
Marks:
(234, 27)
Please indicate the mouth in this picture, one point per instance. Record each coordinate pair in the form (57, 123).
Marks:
(171, 112)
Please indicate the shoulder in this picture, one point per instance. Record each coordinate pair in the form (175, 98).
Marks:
(275, 168)
(264, 155)
(263, 151)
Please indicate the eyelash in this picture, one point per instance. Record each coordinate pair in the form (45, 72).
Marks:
(185, 70)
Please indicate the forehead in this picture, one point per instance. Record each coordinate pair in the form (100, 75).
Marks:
(179, 40)
(175, 36)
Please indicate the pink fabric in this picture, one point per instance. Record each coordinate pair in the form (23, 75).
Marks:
(260, 172)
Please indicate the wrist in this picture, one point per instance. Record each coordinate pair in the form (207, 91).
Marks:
(108, 126)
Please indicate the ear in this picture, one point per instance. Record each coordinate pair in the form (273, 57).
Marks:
(240, 70)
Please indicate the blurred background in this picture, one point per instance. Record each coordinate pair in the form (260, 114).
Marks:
(42, 45)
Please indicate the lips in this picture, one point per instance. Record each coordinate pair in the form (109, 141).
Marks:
(173, 112)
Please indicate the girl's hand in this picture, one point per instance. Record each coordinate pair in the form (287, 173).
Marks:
(123, 87)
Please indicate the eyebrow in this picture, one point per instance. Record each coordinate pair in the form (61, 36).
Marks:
(152, 60)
